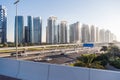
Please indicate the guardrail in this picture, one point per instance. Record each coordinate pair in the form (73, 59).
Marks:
(27, 70)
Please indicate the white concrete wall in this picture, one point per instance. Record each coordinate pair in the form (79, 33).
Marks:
(9, 67)
(26, 70)
(96, 74)
(33, 71)
(68, 73)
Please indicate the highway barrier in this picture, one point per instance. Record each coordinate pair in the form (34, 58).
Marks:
(96, 74)
(9, 67)
(27, 70)
(33, 71)
(68, 73)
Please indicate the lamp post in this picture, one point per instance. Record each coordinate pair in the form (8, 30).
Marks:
(15, 3)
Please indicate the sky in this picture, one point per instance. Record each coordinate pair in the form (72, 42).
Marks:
(101, 13)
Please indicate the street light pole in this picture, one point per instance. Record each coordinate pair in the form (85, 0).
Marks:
(15, 3)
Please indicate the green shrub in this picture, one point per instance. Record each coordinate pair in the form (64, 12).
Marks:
(115, 63)
(104, 62)
(79, 64)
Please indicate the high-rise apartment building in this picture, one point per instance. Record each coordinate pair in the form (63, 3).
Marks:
(85, 33)
(75, 33)
(3, 24)
(30, 29)
(59, 33)
(114, 37)
(102, 35)
(26, 34)
(47, 35)
(111, 37)
(72, 33)
(37, 30)
(92, 34)
(107, 36)
(97, 34)
(62, 32)
(52, 30)
(19, 22)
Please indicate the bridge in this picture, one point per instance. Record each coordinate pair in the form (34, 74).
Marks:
(58, 45)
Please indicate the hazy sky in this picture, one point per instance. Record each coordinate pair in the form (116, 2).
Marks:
(101, 13)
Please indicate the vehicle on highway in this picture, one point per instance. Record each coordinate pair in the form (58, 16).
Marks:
(62, 54)
(48, 59)
(20, 53)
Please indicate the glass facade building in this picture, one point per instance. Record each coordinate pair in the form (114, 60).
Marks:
(85, 33)
(26, 34)
(21, 33)
(3, 24)
(63, 32)
(52, 30)
(75, 33)
(92, 34)
(30, 29)
(37, 30)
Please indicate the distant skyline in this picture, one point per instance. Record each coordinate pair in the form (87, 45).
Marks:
(101, 13)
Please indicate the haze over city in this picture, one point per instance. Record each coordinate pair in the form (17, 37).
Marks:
(102, 14)
(59, 40)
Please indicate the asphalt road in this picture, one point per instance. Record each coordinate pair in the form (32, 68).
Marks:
(54, 56)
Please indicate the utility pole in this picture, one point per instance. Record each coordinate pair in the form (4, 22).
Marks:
(15, 3)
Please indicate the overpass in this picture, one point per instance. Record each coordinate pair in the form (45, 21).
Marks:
(57, 45)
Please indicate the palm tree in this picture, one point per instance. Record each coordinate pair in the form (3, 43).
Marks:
(88, 61)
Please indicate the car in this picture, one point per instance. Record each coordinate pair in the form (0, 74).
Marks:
(20, 53)
(14, 54)
(62, 54)
(48, 59)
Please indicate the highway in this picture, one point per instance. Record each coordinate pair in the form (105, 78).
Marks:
(55, 56)
(55, 45)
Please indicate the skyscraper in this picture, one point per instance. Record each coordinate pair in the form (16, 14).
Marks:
(107, 36)
(92, 34)
(47, 34)
(102, 35)
(85, 33)
(26, 34)
(3, 24)
(111, 37)
(97, 34)
(62, 32)
(52, 29)
(30, 29)
(59, 33)
(114, 37)
(37, 29)
(72, 33)
(75, 33)
(21, 30)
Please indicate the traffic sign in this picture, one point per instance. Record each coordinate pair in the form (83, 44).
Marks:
(88, 45)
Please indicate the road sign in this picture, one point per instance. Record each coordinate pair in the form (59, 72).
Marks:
(88, 45)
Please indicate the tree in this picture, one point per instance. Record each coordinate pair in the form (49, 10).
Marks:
(103, 58)
(20, 45)
(114, 51)
(88, 61)
(11, 45)
(104, 48)
(5, 45)
(25, 44)
(87, 58)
